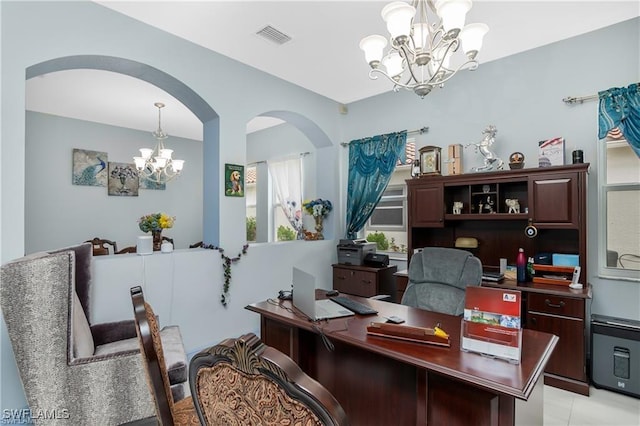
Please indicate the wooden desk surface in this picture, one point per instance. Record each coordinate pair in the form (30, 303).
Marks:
(498, 376)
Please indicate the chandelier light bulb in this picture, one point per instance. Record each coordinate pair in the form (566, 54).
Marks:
(373, 47)
(453, 14)
(398, 16)
(471, 37)
(139, 162)
(420, 34)
(393, 64)
(177, 165)
(146, 153)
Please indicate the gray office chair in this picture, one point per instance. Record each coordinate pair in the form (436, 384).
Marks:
(438, 278)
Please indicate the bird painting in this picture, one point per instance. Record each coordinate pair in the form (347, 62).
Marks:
(89, 167)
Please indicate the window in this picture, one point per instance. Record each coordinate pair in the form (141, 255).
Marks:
(619, 204)
(266, 221)
(250, 197)
(390, 215)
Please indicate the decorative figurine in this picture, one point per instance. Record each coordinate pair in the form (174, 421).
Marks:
(457, 207)
(415, 169)
(516, 160)
(489, 205)
(513, 204)
(491, 161)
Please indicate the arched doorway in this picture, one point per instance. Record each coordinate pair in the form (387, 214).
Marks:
(203, 111)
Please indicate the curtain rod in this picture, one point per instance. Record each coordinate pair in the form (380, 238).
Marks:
(580, 99)
(302, 154)
(420, 131)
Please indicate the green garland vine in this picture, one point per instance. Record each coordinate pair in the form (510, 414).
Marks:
(226, 264)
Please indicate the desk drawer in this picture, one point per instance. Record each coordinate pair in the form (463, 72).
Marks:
(556, 305)
(359, 283)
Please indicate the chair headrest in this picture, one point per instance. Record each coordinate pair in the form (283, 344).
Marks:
(443, 265)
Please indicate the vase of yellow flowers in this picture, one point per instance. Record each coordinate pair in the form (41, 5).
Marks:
(319, 209)
(155, 223)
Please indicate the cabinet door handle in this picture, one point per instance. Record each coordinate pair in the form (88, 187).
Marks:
(340, 277)
(367, 281)
(553, 305)
(533, 320)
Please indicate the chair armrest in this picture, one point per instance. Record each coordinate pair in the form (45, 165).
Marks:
(109, 332)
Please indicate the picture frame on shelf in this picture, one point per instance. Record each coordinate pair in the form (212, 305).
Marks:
(551, 152)
(430, 160)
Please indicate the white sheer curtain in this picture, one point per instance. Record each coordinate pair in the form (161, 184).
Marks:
(287, 181)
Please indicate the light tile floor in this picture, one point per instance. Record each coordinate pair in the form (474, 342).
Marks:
(601, 408)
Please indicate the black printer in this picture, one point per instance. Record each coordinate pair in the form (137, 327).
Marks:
(353, 252)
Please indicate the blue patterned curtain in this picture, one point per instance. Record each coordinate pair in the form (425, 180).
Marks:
(620, 107)
(371, 163)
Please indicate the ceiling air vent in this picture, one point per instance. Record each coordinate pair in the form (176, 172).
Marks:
(273, 35)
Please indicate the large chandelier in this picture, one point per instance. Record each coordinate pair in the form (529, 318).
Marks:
(420, 53)
(156, 165)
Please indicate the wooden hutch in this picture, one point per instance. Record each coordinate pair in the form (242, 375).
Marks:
(551, 199)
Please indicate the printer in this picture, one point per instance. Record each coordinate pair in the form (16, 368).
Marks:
(353, 252)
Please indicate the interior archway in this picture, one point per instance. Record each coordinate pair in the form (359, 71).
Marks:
(289, 135)
(191, 100)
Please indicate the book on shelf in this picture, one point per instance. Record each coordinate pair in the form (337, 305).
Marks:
(492, 276)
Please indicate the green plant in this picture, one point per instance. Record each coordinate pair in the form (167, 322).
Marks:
(380, 239)
(226, 265)
(251, 228)
(285, 233)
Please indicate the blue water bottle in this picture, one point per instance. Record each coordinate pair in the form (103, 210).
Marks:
(521, 266)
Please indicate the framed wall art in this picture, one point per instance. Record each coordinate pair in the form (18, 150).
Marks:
(89, 168)
(233, 180)
(123, 179)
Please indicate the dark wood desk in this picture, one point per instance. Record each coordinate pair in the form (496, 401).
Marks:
(382, 381)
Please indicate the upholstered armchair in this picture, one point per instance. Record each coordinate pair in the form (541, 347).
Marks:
(92, 374)
(438, 278)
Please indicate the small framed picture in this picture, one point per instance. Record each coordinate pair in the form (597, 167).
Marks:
(551, 152)
(233, 180)
(430, 160)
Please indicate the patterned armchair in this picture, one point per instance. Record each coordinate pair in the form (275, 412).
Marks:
(438, 278)
(91, 374)
(244, 382)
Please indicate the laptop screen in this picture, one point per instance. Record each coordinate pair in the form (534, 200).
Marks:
(304, 298)
(304, 292)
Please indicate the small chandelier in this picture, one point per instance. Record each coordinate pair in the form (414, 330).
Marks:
(156, 165)
(420, 52)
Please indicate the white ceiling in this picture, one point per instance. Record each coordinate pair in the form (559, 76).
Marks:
(323, 55)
